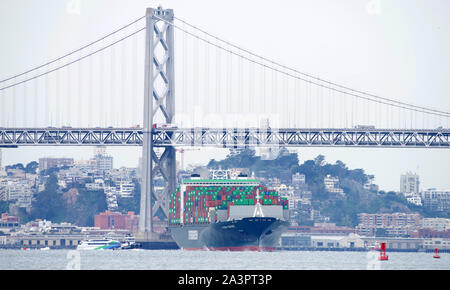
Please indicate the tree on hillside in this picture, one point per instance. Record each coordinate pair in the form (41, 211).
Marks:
(49, 203)
(87, 205)
(4, 206)
(32, 167)
(15, 166)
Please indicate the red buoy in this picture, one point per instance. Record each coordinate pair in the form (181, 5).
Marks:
(383, 256)
(436, 254)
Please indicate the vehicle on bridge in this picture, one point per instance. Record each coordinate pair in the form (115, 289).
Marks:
(164, 125)
(365, 127)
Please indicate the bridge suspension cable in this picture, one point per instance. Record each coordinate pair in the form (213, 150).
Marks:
(71, 62)
(244, 82)
(73, 52)
(353, 92)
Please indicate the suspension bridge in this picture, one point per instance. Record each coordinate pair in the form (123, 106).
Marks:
(120, 89)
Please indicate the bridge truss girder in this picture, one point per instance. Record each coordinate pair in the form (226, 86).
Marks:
(228, 138)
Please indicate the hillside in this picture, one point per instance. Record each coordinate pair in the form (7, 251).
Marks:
(342, 210)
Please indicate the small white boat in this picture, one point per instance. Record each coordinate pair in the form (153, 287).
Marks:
(45, 249)
(99, 244)
(128, 243)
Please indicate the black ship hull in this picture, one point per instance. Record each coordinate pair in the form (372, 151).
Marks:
(252, 233)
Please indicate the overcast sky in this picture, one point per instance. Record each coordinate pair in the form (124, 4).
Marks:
(396, 48)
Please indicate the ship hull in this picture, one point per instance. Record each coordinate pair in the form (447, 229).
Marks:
(252, 234)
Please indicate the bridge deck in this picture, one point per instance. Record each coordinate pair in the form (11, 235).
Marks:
(223, 137)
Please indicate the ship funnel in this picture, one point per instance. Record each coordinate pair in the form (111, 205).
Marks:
(195, 176)
(242, 176)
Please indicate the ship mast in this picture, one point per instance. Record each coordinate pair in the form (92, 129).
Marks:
(258, 209)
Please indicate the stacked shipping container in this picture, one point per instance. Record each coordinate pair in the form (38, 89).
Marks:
(200, 200)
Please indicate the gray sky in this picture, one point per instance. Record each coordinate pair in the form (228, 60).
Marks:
(396, 49)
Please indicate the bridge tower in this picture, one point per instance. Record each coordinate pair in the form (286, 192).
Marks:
(159, 98)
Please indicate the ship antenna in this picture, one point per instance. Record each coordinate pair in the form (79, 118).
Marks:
(258, 209)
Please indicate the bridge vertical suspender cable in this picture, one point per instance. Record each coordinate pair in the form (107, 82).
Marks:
(367, 97)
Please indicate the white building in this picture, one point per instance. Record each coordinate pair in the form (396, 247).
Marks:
(350, 241)
(433, 243)
(3, 191)
(293, 202)
(19, 190)
(436, 200)
(332, 184)
(414, 199)
(104, 162)
(437, 224)
(298, 179)
(409, 183)
(98, 184)
(2, 170)
(72, 174)
(126, 189)
(111, 197)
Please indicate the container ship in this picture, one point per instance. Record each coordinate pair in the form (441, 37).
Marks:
(227, 214)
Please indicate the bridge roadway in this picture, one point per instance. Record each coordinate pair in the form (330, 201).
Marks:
(229, 138)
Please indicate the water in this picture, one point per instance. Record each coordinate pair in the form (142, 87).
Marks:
(204, 260)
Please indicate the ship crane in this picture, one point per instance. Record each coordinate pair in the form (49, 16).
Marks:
(182, 150)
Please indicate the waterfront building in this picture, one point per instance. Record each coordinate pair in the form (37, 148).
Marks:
(325, 241)
(394, 243)
(430, 233)
(433, 243)
(323, 228)
(409, 183)
(396, 224)
(116, 220)
(9, 225)
(436, 224)
(295, 240)
(349, 241)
